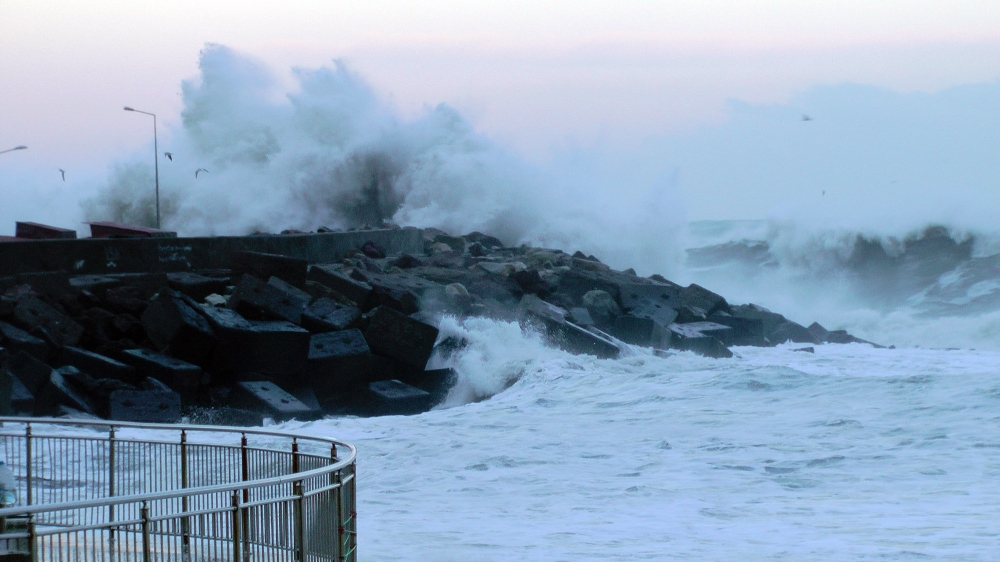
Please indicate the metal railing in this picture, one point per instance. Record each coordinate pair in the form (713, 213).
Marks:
(118, 491)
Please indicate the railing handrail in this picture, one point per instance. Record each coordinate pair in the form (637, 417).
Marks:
(343, 462)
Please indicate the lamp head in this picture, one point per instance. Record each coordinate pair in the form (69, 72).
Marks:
(21, 147)
(127, 108)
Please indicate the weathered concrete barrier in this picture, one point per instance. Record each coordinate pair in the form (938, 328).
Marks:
(134, 255)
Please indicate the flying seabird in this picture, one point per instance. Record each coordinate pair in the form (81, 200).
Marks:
(169, 156)
(63, 172)
(199, 170)
(806, 117)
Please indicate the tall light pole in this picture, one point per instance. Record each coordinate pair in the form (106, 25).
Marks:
(22, 147)
(156, 163)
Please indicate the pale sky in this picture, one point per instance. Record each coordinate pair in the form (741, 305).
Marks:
(536, 75)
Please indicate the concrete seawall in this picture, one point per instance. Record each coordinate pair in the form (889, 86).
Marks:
(137, 255)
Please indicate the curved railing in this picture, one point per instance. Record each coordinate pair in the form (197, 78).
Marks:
(103, 490)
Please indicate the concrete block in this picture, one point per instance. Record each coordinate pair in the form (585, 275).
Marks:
(721, 332)
(52, 283)
(267, 347)
(196, 286)
(15, 338)
(577, 283)
(59, 391)
(97, 366)
(436, 382)
(581, 317)
(95, 284)
(300, 294)
(273, 400)
(36, 231)
(336, 361)
(105, 229)
(695, 337)
(641, 331)
(264, 266)
(6, 392)
(281, 348)
(704, 345)
(395, 335)
(143, 286)
(551, 321)
(236, 340)
(793, 332)
(38, 317)
(333, 277)
(184, 378)
(153, 402)
(393, 397)
(257, 300)
(306, 395)
(769, 321)
(328, 315)
(700, 297)
(401, 291)
(22, 401)
(634, 295)
(30, 371)
(172, 324)
(746, 331)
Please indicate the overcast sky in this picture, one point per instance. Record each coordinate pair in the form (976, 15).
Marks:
(541, 77)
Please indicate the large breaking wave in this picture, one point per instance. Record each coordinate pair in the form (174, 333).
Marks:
(332, 153)
(936, 286)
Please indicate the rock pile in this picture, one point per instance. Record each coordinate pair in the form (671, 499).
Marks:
(275, 336)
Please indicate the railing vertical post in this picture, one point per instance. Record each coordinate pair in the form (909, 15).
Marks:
(144, 515)
(245, 513)
(185, 520)
(237, 530)
(28, 470)
(338, 508)
(32, 539)
(300, 530)
(352, 515)
(334, 496)
(111, 489)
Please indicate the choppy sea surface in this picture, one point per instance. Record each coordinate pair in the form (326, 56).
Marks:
(850, 452)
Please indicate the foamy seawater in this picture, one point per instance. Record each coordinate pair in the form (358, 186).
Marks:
(848, 453)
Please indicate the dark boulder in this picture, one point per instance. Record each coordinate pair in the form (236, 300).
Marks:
(273, 400)
(175, 326)
(327, 315)
(393, 334)
(393, 397)
(337, 360)
(256, 300)
(265, 266)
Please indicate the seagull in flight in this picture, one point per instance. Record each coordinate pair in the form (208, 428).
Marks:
(169, 156)
(806, 117)
(63, 172)
(199, 170)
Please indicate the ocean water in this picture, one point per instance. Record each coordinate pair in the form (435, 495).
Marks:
(850, 452)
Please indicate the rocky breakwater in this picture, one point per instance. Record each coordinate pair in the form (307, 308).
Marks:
(275, 336)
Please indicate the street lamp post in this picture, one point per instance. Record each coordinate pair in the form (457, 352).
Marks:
(22, 147)
(156, 163)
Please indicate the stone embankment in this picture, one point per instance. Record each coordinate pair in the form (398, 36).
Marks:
(229, 335)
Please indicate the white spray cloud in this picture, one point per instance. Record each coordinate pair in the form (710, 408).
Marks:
(333, 154)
